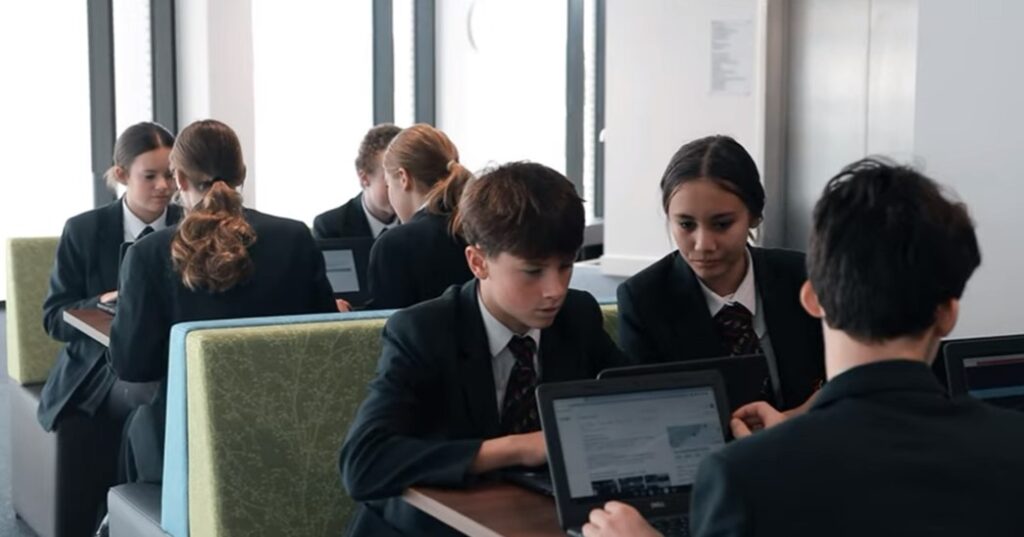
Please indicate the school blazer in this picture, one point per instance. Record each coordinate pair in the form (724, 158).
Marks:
(84, 268)
(664, 317)
(288, 279)
(416, 261)
(433, 403)
(882, 451)
(346, 221)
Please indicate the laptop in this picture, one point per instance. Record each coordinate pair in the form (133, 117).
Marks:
(111, 306)
(634, 439)
(747, 378)
(346, 261)
(989, 368)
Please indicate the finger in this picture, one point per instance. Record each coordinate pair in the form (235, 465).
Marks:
(614, 507)
(739, 429)
(590, 530)
(598, 517)
(755, 409)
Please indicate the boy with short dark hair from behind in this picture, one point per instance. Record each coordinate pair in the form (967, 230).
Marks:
(454, 392)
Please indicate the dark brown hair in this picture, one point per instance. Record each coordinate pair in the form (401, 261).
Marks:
(430, 159)
(887, 249)
(374, 143)
(722, 160)
(210, 247)
(135, 140)
(523, 208)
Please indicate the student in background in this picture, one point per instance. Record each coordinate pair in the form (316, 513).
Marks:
(717, 295)
(883, 450)
(221, 261)
(419, 260)
(85, 273)
(369, 213)
(453, 397)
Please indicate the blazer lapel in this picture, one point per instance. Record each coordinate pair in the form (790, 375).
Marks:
(174, 213)
(475, 363)
(109, 237)
(692, 328)
(357, 222)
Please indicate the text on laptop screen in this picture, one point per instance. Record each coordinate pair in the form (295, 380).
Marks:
(341, 271)
(996, 379)
(637, 444)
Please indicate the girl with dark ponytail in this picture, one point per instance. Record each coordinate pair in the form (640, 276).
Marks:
(222, 261)
(418, 260)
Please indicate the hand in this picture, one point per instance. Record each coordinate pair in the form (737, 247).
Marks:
(531, 449)
(343, 304)
(617, 519)
(109, 296)
(753, 417)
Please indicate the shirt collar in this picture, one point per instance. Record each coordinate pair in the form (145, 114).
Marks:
(746, 293)
(133, 225)
(498, 335)
(376, 226)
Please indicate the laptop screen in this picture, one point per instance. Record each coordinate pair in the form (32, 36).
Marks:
(341, 270)
(996, 379)
(631, 445)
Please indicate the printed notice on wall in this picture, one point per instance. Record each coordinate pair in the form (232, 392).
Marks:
(732, 57)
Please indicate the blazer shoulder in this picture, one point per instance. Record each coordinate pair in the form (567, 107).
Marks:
(788, 261)
(92, 218)
(653, 278)
(427, 319)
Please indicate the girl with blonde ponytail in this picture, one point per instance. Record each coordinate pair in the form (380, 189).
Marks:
(222, 261)
(421, 258)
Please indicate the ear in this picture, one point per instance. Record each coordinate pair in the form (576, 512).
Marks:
(946, 315)
(809, 300)
(121, 175)
(364, 178)
(477, 261)
(404, 180)
(182, 183)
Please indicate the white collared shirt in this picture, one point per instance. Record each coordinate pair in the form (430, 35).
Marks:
(747, 295)
(502, 360)
(133, 225)
(376, 226)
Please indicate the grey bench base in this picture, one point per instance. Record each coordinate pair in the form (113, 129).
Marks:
(135, 511)
(59, 479)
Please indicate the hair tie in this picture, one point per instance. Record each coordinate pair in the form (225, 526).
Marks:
(451, 164)
(215, 179)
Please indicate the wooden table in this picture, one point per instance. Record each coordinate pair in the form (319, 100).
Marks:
(491, 509)
(92, 322)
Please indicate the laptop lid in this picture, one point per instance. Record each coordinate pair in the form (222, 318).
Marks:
(634, 439)
(747, 377)
(346, 261)
(990, 369)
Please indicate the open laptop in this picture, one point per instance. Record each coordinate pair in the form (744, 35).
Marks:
(990, 369)
(346, 261)
(634, 439)
(747, 378)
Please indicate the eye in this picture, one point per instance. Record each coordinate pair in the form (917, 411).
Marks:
(723, 225)
(533, 271)
(688, 225)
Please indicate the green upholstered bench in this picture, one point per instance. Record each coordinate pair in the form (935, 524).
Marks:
(58, 479)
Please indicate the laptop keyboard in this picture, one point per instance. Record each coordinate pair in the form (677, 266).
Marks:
(676, 526)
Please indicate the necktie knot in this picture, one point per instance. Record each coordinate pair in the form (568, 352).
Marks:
(523, 348)
(735, 326)
(145, 231)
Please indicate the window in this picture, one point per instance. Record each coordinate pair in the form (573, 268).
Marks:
(45, 134)
(313, 93)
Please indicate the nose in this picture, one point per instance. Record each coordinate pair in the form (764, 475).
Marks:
(555, 283)
(704, 240)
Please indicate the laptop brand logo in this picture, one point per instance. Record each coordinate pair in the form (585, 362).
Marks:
(657, 505)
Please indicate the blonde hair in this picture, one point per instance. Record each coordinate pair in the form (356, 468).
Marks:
(210, 247)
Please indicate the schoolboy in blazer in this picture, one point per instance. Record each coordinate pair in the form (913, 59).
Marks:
(86, 267)
(883, 450)
(418, 260)
(450, 401)
(716, 295)
(369, 213)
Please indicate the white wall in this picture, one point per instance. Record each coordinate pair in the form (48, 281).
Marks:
(969, 132)
(657, 98)
(215, 71)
